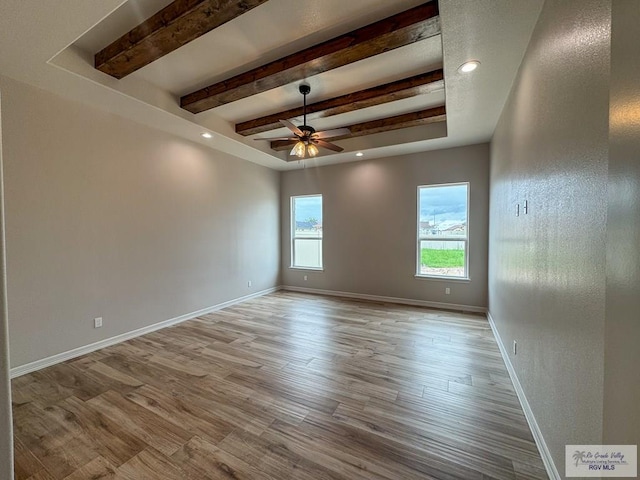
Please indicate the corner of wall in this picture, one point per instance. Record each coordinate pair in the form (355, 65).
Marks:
(6, 425)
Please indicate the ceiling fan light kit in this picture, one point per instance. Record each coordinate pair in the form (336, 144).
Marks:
(312, 150)
(299, 150)
(303, 150)
(306, 137)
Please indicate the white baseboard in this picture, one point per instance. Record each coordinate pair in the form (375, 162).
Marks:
(378, 298)
(77, 352)
(547, 459)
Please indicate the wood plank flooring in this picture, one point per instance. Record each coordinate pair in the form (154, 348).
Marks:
(285, 386)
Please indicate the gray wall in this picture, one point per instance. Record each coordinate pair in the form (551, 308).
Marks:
(547, 268)
(6, 437)
(106, 217)
(622, 325)
(369, 223)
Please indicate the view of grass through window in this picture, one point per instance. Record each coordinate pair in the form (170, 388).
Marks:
(442, 230)
(442, 258)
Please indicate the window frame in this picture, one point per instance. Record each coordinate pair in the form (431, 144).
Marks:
(292, 226)
(420, 238)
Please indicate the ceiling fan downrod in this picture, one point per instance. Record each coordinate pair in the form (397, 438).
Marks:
(305, 88)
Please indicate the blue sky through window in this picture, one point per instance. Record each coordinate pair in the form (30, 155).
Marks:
(447, 203)
(308, 207)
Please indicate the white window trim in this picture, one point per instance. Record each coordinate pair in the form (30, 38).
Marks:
(419, 238)
(292, 222)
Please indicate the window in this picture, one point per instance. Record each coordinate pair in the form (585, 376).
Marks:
(443, 234)
(306, 231)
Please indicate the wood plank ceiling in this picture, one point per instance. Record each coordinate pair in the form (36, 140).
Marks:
(183, 21)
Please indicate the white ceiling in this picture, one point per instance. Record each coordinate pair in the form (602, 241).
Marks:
(51, 44)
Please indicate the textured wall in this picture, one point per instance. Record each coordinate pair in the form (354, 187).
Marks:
(547, 268)
(370, 224)
(109, 218)
(622, 324)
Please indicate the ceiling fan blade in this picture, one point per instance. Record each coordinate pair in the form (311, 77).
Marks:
(327, 145)
(292, 127)
(273, 139)
(336, 132)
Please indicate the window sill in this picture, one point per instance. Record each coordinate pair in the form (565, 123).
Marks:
(443, 278)
(311, 269)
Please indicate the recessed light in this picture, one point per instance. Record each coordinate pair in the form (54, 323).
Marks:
(469, 66)
(359, 154)
(206, 135)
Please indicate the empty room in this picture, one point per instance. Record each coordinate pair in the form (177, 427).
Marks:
(280, 239)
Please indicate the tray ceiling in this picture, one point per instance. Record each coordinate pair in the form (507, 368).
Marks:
(493, 31)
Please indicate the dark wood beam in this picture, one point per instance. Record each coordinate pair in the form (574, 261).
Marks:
(390, 92)
(414, 119)
(402, 29)
(172, 27)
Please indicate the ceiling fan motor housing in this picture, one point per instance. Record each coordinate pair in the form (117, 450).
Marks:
(307, 129)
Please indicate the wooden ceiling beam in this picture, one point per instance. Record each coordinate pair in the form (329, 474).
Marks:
(390, 92)
(402, 29)
(177, 24)
(414, 119)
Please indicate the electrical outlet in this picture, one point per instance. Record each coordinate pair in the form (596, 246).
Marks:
(305, 278)
(447, 291)
(249, 283)
(97, 322)
(515, 347)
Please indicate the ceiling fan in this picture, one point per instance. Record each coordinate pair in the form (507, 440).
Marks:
(307, 139)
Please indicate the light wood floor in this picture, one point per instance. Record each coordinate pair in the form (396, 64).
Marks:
(286, 386)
